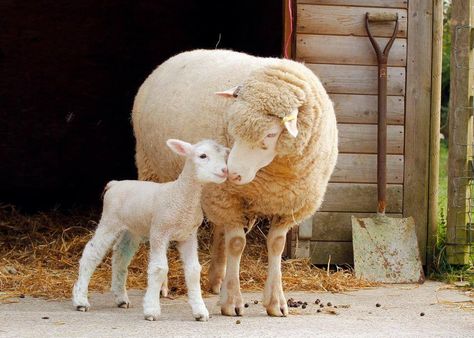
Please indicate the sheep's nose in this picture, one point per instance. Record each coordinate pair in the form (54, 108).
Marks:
(235, 177)
(224, 171)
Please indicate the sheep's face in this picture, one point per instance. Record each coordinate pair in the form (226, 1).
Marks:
(246, 158)
(262, 116)
(209, 159)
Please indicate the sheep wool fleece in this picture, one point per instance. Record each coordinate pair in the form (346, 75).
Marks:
(178, 101)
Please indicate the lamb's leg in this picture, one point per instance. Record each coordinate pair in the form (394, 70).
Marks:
(123, 252)
(218, 260)
(230, 296)
(93, 254)
(157, 273)
(273, 297)
(192, 272)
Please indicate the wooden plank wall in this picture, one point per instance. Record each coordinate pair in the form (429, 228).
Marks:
(332, 41)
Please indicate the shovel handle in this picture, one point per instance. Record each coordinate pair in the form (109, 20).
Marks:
(382, 17)
(382, 60)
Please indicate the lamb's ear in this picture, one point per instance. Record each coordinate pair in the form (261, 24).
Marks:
(180, 147)
(231, 92)
(291, 123)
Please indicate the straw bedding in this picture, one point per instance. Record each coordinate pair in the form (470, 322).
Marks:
(39, 257)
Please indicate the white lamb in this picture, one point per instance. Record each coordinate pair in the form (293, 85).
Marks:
(138, 210)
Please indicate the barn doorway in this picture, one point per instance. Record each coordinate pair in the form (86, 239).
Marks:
(70, 71)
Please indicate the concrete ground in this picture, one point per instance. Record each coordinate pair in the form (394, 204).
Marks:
(446, 315)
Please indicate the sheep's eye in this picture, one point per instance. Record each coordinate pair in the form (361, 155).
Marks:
(202, 156)
(271, 135)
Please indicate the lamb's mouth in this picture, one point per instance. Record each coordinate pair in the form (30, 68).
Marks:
(221, 175)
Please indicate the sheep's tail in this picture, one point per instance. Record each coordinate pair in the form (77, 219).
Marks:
(107, 187)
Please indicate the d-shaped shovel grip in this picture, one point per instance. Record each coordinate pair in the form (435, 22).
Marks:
(382, 58)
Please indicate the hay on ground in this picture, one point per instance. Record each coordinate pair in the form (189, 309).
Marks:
(39, 257)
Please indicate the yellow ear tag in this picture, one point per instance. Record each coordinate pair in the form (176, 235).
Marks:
(288, 118)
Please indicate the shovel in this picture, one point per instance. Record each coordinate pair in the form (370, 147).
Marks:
(385, 249)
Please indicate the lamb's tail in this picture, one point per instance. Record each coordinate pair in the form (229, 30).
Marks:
(107, 187)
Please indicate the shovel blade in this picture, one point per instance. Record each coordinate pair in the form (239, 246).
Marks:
(386, 250)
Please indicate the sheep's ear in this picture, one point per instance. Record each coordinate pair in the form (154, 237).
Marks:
(180, 147)
(291, 123)
(231, 92)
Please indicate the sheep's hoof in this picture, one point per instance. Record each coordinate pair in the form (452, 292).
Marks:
(124, 305)
(82, 308)
(277, 312)
(216, 289)
(151, 318)
(230, 310)
(164, 292)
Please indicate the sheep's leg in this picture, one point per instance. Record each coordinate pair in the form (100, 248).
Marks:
(93, 254)
(123, 252)
(192, 272)
(218, 260)
(230, 296)
(273, 297)
(164, 288)
(144, 167)
(157, 273)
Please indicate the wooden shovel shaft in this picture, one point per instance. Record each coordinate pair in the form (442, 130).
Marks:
(382, 60)
(382, 139)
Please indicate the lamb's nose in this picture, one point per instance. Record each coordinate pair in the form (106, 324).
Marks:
(235, 177)
(224, 171)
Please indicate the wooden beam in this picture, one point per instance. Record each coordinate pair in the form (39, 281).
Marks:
(418, 110)
(364, 3)
(460, 131)
(362, 138)
(436, 70)
(345, 20)
(363, 109)
(289, 29)
(333, 252)
(362, 168)
(351, 50)
(359, 197)
(344, 79)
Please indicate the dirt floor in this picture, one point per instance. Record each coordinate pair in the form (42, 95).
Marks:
(447, 312)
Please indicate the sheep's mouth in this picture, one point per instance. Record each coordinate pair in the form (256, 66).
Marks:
(221, 175)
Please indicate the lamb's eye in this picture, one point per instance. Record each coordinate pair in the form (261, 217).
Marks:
(202, 156)
(271, 135)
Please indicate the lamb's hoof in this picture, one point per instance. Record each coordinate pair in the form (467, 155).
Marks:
(201, 318)
(201, 314)
(151, 318)
(82, 308)
(123, 305)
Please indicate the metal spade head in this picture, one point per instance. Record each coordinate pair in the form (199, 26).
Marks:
(386, 250)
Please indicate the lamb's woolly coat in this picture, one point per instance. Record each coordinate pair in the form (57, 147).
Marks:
(177, 101)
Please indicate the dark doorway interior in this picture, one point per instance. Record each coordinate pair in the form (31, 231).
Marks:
(69, 71)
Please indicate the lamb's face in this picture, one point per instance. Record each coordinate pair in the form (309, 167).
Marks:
(210, 162)
(209, 159)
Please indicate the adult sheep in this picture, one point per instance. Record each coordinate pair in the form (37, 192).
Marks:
(281, 125)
